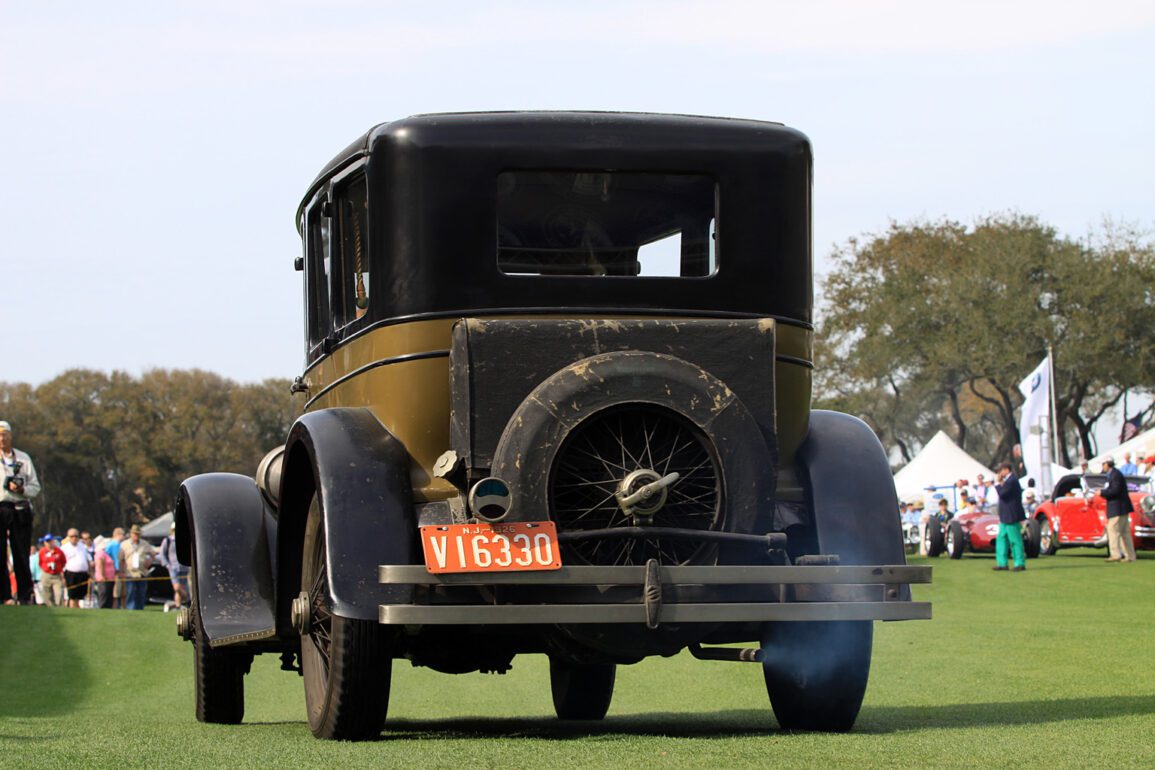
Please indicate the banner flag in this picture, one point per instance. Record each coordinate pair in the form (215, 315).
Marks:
(1035, 421)
(1131, 428)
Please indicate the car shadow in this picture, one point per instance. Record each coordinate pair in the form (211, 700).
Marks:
(717, 724)
(888, 719)
(751, 722)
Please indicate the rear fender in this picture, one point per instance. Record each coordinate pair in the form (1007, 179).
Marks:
(851, 490)
(362, 474)
(225, 517)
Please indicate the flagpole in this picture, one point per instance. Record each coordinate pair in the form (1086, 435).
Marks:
(1054, 413)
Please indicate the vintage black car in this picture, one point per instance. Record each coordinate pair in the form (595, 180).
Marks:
(557, 402)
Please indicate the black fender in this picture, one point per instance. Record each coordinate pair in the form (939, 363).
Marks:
(361, 471)
(223, 522)
(850, 490)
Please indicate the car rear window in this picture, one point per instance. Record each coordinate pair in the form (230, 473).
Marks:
(607, 223)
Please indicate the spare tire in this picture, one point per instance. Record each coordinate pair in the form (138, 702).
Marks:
(660, 414)
(607, 422)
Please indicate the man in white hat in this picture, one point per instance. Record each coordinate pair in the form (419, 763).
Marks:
(18, 486)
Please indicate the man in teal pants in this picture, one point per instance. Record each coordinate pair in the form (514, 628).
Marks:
(1011, 516)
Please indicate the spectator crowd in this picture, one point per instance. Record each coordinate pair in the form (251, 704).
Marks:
(104, 572)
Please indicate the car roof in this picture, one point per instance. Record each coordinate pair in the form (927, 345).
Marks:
(471, 127)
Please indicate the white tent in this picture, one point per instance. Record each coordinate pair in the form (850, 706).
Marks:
(1144, 442)
(940, 464)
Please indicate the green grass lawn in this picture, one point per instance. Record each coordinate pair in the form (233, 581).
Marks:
(1054, 667)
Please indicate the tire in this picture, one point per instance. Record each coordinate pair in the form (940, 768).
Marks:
(220, 674)
(935, 540)
(1048, 540)
(816, 673)
(630, 417)
(955, 540)
(345, 663)
(581, 691)
(1031, 539)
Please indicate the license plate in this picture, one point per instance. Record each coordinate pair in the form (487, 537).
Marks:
(500, 547)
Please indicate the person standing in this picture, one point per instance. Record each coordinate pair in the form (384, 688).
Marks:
(1128, 468)
(961, 493)
(52, 561)
(34, 568)
(103, 575)
(1011, 516)
(1119, 509)
(136, 556)
(177, 572)
(76, 568)
(20, 484)
(113, 549)
(1146, 461)
(985, 493)
(944, 512)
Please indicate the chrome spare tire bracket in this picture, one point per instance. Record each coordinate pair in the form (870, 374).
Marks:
(653, 594)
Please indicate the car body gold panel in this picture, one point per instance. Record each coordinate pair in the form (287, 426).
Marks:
(400, 372)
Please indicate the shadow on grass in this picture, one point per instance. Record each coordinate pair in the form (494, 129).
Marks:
(886, 719)
(752, 722)
(44, 673)
(717, 724)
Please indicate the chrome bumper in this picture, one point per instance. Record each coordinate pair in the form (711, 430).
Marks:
(798, 593)
(1144, 531)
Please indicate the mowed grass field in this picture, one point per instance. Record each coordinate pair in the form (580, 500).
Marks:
(1053, 667)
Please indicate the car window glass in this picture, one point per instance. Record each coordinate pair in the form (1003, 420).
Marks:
(318, 273)
(625, 224)
(351, 301)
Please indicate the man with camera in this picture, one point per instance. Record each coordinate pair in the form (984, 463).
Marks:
(19, 487)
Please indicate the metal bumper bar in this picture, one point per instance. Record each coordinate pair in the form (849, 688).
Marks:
(807, 581)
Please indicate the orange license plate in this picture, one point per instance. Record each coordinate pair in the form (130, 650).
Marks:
(500, 547)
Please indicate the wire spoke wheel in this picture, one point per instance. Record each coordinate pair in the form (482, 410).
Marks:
(319, 639)
(345, 662)
(596, 466)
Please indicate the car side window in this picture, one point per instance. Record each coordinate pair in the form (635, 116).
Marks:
(318, 272)
(351, 284)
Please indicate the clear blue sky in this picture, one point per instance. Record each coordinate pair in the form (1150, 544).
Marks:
(152, 154)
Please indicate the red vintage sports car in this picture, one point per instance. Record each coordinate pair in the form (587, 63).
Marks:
(1076, 514)
(975, 532)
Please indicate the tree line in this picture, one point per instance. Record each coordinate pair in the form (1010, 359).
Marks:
(112, 449)
(933, 324)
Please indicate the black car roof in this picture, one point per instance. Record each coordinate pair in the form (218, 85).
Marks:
(464, 127)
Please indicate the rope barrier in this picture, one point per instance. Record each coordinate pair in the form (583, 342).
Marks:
(88, 584)
(91, 581)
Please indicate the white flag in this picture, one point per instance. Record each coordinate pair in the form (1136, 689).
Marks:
(1036, 389)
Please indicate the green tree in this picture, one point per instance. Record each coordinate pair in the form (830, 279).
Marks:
(933, 325)
(112, 449)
